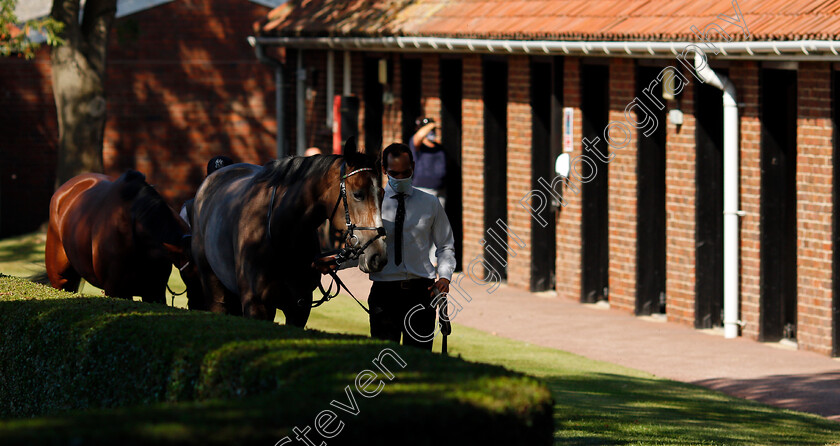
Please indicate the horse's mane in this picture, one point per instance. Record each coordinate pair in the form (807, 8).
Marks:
(149, 208)
(294, 169)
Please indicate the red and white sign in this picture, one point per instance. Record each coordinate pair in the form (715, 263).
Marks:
(568, 127)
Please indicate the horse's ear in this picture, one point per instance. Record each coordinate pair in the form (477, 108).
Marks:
(350, 145)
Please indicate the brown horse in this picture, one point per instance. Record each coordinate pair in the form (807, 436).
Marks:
(255, 231)
(118, 235)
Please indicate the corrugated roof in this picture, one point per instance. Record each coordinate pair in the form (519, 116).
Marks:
(556, 20)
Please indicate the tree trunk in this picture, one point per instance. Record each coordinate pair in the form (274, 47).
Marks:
(78, 74)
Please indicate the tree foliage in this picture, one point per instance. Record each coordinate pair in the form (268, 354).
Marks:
(16, 38)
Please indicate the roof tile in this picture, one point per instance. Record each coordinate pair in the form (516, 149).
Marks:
(557, 19)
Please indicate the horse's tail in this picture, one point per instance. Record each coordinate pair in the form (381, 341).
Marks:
(40, 277)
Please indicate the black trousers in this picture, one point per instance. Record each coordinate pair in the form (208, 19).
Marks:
(390, 302)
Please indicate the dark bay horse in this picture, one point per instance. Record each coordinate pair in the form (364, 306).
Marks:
(255, 231)
(118, 235)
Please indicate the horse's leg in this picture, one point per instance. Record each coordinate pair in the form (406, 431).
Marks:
(256, 290)
(112, 289)
(257, 309)
(232, 303)
(192, 280)
(150, 277)
(297, 312)
(155, 297)
(59, 270)
(296, 304)
(254, 304)
(214, 293)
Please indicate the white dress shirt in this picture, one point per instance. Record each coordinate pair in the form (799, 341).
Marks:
(425, 225)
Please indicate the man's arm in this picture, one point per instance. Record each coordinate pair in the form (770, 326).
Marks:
(417, 139)
(444, 240)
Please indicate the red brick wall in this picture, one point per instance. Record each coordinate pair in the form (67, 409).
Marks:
(569, 217)
(28, 141)
(622, 193)
(473, 159)
(519, 118)
(680, 193)
(814, 211)
(183, 86)
(745, 76)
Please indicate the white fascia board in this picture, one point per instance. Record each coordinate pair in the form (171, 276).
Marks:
(758, 50)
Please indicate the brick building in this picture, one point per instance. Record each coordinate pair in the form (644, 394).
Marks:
(182, 84)
(639, 221)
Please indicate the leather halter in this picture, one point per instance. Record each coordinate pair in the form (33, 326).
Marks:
(351, 249)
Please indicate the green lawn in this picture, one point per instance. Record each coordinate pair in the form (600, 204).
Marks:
(602, 403)
(595, 402)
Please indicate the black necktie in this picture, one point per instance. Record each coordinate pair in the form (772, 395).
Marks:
(398, 228)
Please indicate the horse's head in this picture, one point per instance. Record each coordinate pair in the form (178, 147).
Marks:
(364, 199)
(156, 228)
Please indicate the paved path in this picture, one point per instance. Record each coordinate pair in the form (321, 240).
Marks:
(787, 378)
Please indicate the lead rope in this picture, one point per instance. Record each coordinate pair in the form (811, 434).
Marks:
(327, 296)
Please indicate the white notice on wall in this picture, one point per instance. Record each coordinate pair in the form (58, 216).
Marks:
(568, 127)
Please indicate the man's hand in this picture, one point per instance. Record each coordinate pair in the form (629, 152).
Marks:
(441, 286)
(325, 264)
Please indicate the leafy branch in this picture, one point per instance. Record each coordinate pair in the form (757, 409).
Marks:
(16, 39)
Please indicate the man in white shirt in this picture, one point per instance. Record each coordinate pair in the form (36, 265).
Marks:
(414, 221)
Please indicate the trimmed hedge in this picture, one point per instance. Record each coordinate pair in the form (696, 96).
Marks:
(100, 370)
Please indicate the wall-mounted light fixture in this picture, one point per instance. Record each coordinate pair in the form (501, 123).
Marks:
(668, 84)
(383, 71)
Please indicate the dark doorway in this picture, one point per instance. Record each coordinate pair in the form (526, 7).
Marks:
(650, 202)
(373, 106)
(349, 115)
(451, 95)
(495, 160)
(835, 260)
(778, 205)
(411, 91)
(708, 205)
(595, 218)
(544, 96)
